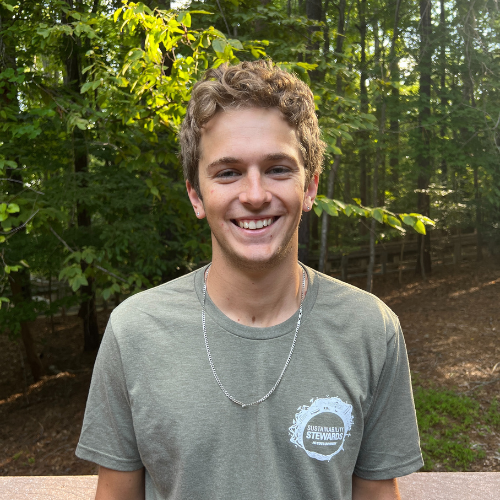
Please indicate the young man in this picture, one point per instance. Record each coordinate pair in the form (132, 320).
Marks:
(254, 377)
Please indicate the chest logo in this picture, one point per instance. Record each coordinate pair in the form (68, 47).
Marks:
(321, 428)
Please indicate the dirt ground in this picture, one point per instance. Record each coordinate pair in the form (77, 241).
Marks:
(452, 331)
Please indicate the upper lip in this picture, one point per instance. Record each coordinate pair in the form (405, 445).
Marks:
(254, 217)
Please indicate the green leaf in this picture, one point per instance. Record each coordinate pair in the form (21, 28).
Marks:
(378, 215)
(408, 219)
(8, 6)
(13, 208)
(86, 86)
(332, 148)
(84, 70)
(117, 14)
(317, 209)
(4, 299)
(219, 45)
(236, 44)
(185, 19)
(360, 211)
(419, 227)
(393, 221)
(331, 209)
(205, 41)
(2, 239)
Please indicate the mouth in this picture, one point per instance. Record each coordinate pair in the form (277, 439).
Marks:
(254, 224)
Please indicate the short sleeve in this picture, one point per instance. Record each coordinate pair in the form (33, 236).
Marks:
(107, 437)
(390, 446)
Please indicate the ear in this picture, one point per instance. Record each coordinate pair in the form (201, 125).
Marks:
(199, 210)
(310, 193)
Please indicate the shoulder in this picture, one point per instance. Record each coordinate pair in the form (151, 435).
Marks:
(161, 304)
(351, 304)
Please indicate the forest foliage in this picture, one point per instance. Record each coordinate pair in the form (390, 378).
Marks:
(92, 95)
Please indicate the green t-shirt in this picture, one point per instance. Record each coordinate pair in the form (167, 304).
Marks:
(344, 405)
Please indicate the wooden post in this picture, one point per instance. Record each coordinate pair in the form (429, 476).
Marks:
(401, 262)
(457, 253)
(343, 267)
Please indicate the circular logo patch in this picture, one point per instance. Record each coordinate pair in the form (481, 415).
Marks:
(320, 429)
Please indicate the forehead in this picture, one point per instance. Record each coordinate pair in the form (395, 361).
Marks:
(248, 133)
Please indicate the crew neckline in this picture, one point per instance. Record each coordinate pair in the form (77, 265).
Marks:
(251, 332)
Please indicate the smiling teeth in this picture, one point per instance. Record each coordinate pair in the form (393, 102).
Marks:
(256, 224)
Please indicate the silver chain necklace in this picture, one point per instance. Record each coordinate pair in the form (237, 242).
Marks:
(233, 399)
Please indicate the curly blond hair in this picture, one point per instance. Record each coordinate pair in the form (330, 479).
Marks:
(246, 85)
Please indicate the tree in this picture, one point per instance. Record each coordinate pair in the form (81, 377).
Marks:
(424, 117)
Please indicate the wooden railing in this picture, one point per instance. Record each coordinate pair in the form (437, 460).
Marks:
(399, 256)
(418, 486)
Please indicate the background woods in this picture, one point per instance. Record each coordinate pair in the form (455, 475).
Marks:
(92, 94)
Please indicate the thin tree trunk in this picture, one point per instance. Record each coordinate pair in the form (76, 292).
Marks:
(477, 196)
(313, 12)
(363, 135)
(424, 155)
(469, 77)
(378, 162)
(336, 163)
(324, 216)
(304, 237)
(443, 100)
(21, 292)
(19, 282)
(74, 81)
(393, 110)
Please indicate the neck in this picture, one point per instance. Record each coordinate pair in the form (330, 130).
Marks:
(258, 298)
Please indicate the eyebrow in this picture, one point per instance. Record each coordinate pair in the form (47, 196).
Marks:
(225, 160)
(231, 160)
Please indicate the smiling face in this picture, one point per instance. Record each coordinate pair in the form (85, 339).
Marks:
(252, 180)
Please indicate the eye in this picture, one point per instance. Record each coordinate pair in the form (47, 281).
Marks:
(227, 174)
(278, 169)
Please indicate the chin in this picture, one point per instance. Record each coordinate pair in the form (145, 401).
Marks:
(257, 261)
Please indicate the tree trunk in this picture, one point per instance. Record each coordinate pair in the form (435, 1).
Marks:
(21, 292)
(363, 135)
(469, 76)
(74, 81)
(304, 237)
(323, 249)
(336, 163)
(393, 108)
(479, 216)
(20, 281)
(379, 158)
(314, 12)
(443, 100)
(424, 155)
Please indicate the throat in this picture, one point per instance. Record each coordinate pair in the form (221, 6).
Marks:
(259, 303)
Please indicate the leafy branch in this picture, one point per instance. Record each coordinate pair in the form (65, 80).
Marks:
(380, 214)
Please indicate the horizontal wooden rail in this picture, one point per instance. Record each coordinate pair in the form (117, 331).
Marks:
(418, 486)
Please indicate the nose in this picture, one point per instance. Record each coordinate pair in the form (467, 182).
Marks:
(254, 190)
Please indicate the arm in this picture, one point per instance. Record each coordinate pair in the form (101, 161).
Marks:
(117, 485)
(363, 489)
